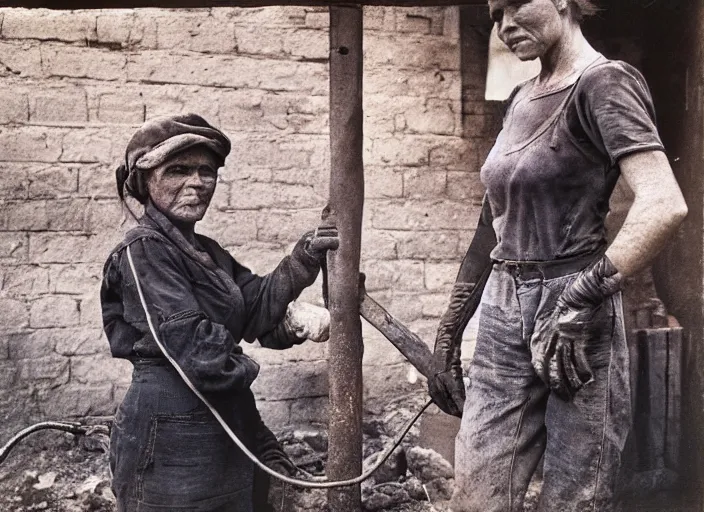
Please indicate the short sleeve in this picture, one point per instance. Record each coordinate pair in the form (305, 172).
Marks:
(616, 110)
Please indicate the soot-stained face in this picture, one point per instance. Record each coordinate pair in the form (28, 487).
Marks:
(182, 187)
(530, 28)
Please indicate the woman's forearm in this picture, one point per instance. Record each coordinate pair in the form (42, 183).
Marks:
(656, 212)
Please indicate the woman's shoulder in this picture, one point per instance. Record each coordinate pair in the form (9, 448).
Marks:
(139, 233)
(143, 233)
(517, 90)
(506, 104)
(610, 76)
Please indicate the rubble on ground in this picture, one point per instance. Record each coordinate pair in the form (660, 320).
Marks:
(57, 472)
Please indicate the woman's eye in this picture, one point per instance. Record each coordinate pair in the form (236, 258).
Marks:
(177, 169)
(208, 171)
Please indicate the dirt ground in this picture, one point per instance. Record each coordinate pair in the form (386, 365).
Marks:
(58, 472)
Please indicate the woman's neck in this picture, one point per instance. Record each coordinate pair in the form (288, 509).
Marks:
(569, 56)
(187, 229)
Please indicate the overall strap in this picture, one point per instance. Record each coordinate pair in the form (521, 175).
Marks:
(556, 113)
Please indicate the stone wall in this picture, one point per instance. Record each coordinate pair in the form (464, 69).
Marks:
(75, 85)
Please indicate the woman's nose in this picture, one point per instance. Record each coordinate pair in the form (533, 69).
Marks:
(195, 179)
(507, 24)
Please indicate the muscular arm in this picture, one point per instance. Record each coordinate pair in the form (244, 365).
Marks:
(657, 210)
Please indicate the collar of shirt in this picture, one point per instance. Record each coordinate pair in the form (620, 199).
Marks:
(155, 219)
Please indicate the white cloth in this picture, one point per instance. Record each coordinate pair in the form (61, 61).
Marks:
(308, 321)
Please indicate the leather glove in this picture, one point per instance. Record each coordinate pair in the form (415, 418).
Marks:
(558, 345)
(309, 254)
(446, 387)
(307, 321)
(271, 453)
(316, 244)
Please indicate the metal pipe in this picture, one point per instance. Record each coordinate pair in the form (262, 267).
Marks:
(344, 209)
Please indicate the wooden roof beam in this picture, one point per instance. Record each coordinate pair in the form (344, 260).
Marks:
(169, 4)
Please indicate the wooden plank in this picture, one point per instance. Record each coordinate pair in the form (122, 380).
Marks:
(656, 364)
(652, 458)
(129, 4)
(630, 453)
(673, 425)
(408, 343)
(344, 209)
(656, 342)
(649, 404)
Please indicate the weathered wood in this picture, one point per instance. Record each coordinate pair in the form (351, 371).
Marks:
(650, 418)
(345, 211)
(170, 4)
(673, 421)
(652, 457)
(409, 344)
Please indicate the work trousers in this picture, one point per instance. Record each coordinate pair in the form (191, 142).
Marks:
(167, 451)
(511, 419)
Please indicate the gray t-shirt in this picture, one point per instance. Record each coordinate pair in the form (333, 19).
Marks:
(554, 165)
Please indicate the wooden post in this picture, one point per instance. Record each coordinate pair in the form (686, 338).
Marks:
(345, 210)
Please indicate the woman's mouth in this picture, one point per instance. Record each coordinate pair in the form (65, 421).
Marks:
(513, 43)
(191, 201)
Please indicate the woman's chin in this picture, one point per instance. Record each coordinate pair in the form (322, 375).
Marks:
(526, 56)
(188, 214)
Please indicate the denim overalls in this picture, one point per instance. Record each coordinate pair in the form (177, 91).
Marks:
(168, 453)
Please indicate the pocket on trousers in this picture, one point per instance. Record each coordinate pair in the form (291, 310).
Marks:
(189, 460)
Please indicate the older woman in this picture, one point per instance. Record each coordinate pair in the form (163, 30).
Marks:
(549, 378)
(167, 450)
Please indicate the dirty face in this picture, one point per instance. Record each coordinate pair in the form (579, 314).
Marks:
(182, 187)
(530, 28)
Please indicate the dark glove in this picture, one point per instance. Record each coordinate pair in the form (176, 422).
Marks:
(558, 345)
(269, 493)
(270, 452)
(309, 254)
(247, 366)
(446, 387)
(317, 243)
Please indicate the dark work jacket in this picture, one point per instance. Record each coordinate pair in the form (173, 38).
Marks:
(202, 303)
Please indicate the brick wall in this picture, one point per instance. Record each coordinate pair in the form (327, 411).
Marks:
(75, 85)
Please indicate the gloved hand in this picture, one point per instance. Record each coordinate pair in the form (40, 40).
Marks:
(317, 243)
(271, 453)
(307, 321)
(446, 387)
(560, 339)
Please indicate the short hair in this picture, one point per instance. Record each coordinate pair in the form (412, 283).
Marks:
(582, 9)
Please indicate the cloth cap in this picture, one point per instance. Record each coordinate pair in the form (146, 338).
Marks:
(160, 138)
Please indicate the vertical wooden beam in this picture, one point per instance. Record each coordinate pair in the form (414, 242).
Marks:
(345, 210)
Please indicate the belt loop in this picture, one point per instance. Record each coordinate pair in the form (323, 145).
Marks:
(542, 274)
